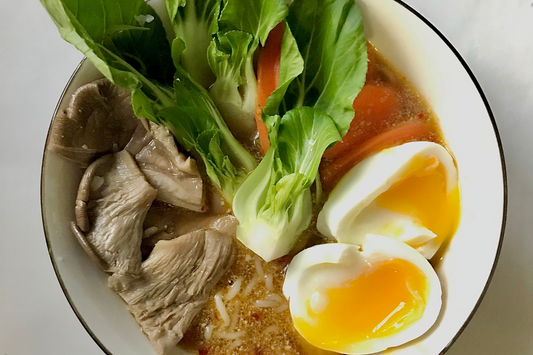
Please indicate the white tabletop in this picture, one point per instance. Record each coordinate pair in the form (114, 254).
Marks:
(493, 36)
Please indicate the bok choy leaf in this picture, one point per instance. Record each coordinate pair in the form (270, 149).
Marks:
(138, 57)
(199, 127)
(231, 55)
(243, 26)
(256, 17)
(110, 35)
(330, 37)
(273, 205)
(291, 64)
(195, 22)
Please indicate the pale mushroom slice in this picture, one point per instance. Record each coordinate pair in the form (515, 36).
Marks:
(165, 222)
(99, 120)
(112, 202)
(175, 176)
(174, 284)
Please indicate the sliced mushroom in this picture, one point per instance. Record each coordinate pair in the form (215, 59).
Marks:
(166, 222)
(175, 176)
(113, 199)
(174, 284)
(98, 121)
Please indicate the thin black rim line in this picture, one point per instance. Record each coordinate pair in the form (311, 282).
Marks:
(502, 161)
(47, 239)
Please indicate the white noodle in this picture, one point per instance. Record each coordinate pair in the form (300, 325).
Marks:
(269, 282)
(234, 289)
(265, 304)
(281, 308)
(222, 309)
(226, 335)
(259, 267)
(235, 316)
(208, 332)
(236, 343)
(275, 297)
(272, 329)
(250, 285)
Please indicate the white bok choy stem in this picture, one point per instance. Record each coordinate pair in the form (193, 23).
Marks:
(273, 205)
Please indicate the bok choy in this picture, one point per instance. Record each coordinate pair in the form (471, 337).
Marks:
(195, 22)
(134, 53)
(273, 205)
(243, 26)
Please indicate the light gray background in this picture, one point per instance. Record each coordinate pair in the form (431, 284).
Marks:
(493, 36)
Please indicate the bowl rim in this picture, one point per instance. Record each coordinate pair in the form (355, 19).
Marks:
(502, 162)
(496, 134)
(45, 224)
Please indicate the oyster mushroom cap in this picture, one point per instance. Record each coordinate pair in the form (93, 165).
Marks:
(174, 284)
(175, 176)
(99, 120)
(113, 199)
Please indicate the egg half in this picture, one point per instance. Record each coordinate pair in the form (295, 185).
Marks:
(361, 301)
(409, 192)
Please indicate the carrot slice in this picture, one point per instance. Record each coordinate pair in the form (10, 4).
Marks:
(373, 107)
(267, 79)
(333, 171)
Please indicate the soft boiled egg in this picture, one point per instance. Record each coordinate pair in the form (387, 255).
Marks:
(408, 192)
(354, 301)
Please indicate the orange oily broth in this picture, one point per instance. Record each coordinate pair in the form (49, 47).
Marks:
(266, 331)
(388, 295)
(411, 106)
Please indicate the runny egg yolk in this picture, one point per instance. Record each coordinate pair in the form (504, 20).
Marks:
(423, 195)
(386, 297)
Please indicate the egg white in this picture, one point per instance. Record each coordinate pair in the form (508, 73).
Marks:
(323, 267)
(351, 211)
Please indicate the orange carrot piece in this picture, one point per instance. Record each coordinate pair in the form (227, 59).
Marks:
(267, 79)
(333, 171)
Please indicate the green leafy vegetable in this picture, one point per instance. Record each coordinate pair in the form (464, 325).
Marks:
(291, 64)
(256, 17)
(109, 34)
(316, 93)
(139, 57)
(199, 127)
(195, 23)
(274, 205)
(231, 55)
(243, 25)
(330, 37)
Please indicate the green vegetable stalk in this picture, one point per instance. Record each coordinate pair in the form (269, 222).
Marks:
(273, 205)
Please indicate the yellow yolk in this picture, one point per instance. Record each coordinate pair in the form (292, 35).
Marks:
(423, 195)
(386, 297)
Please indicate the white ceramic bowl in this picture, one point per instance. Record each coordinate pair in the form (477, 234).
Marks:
(430, 62)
